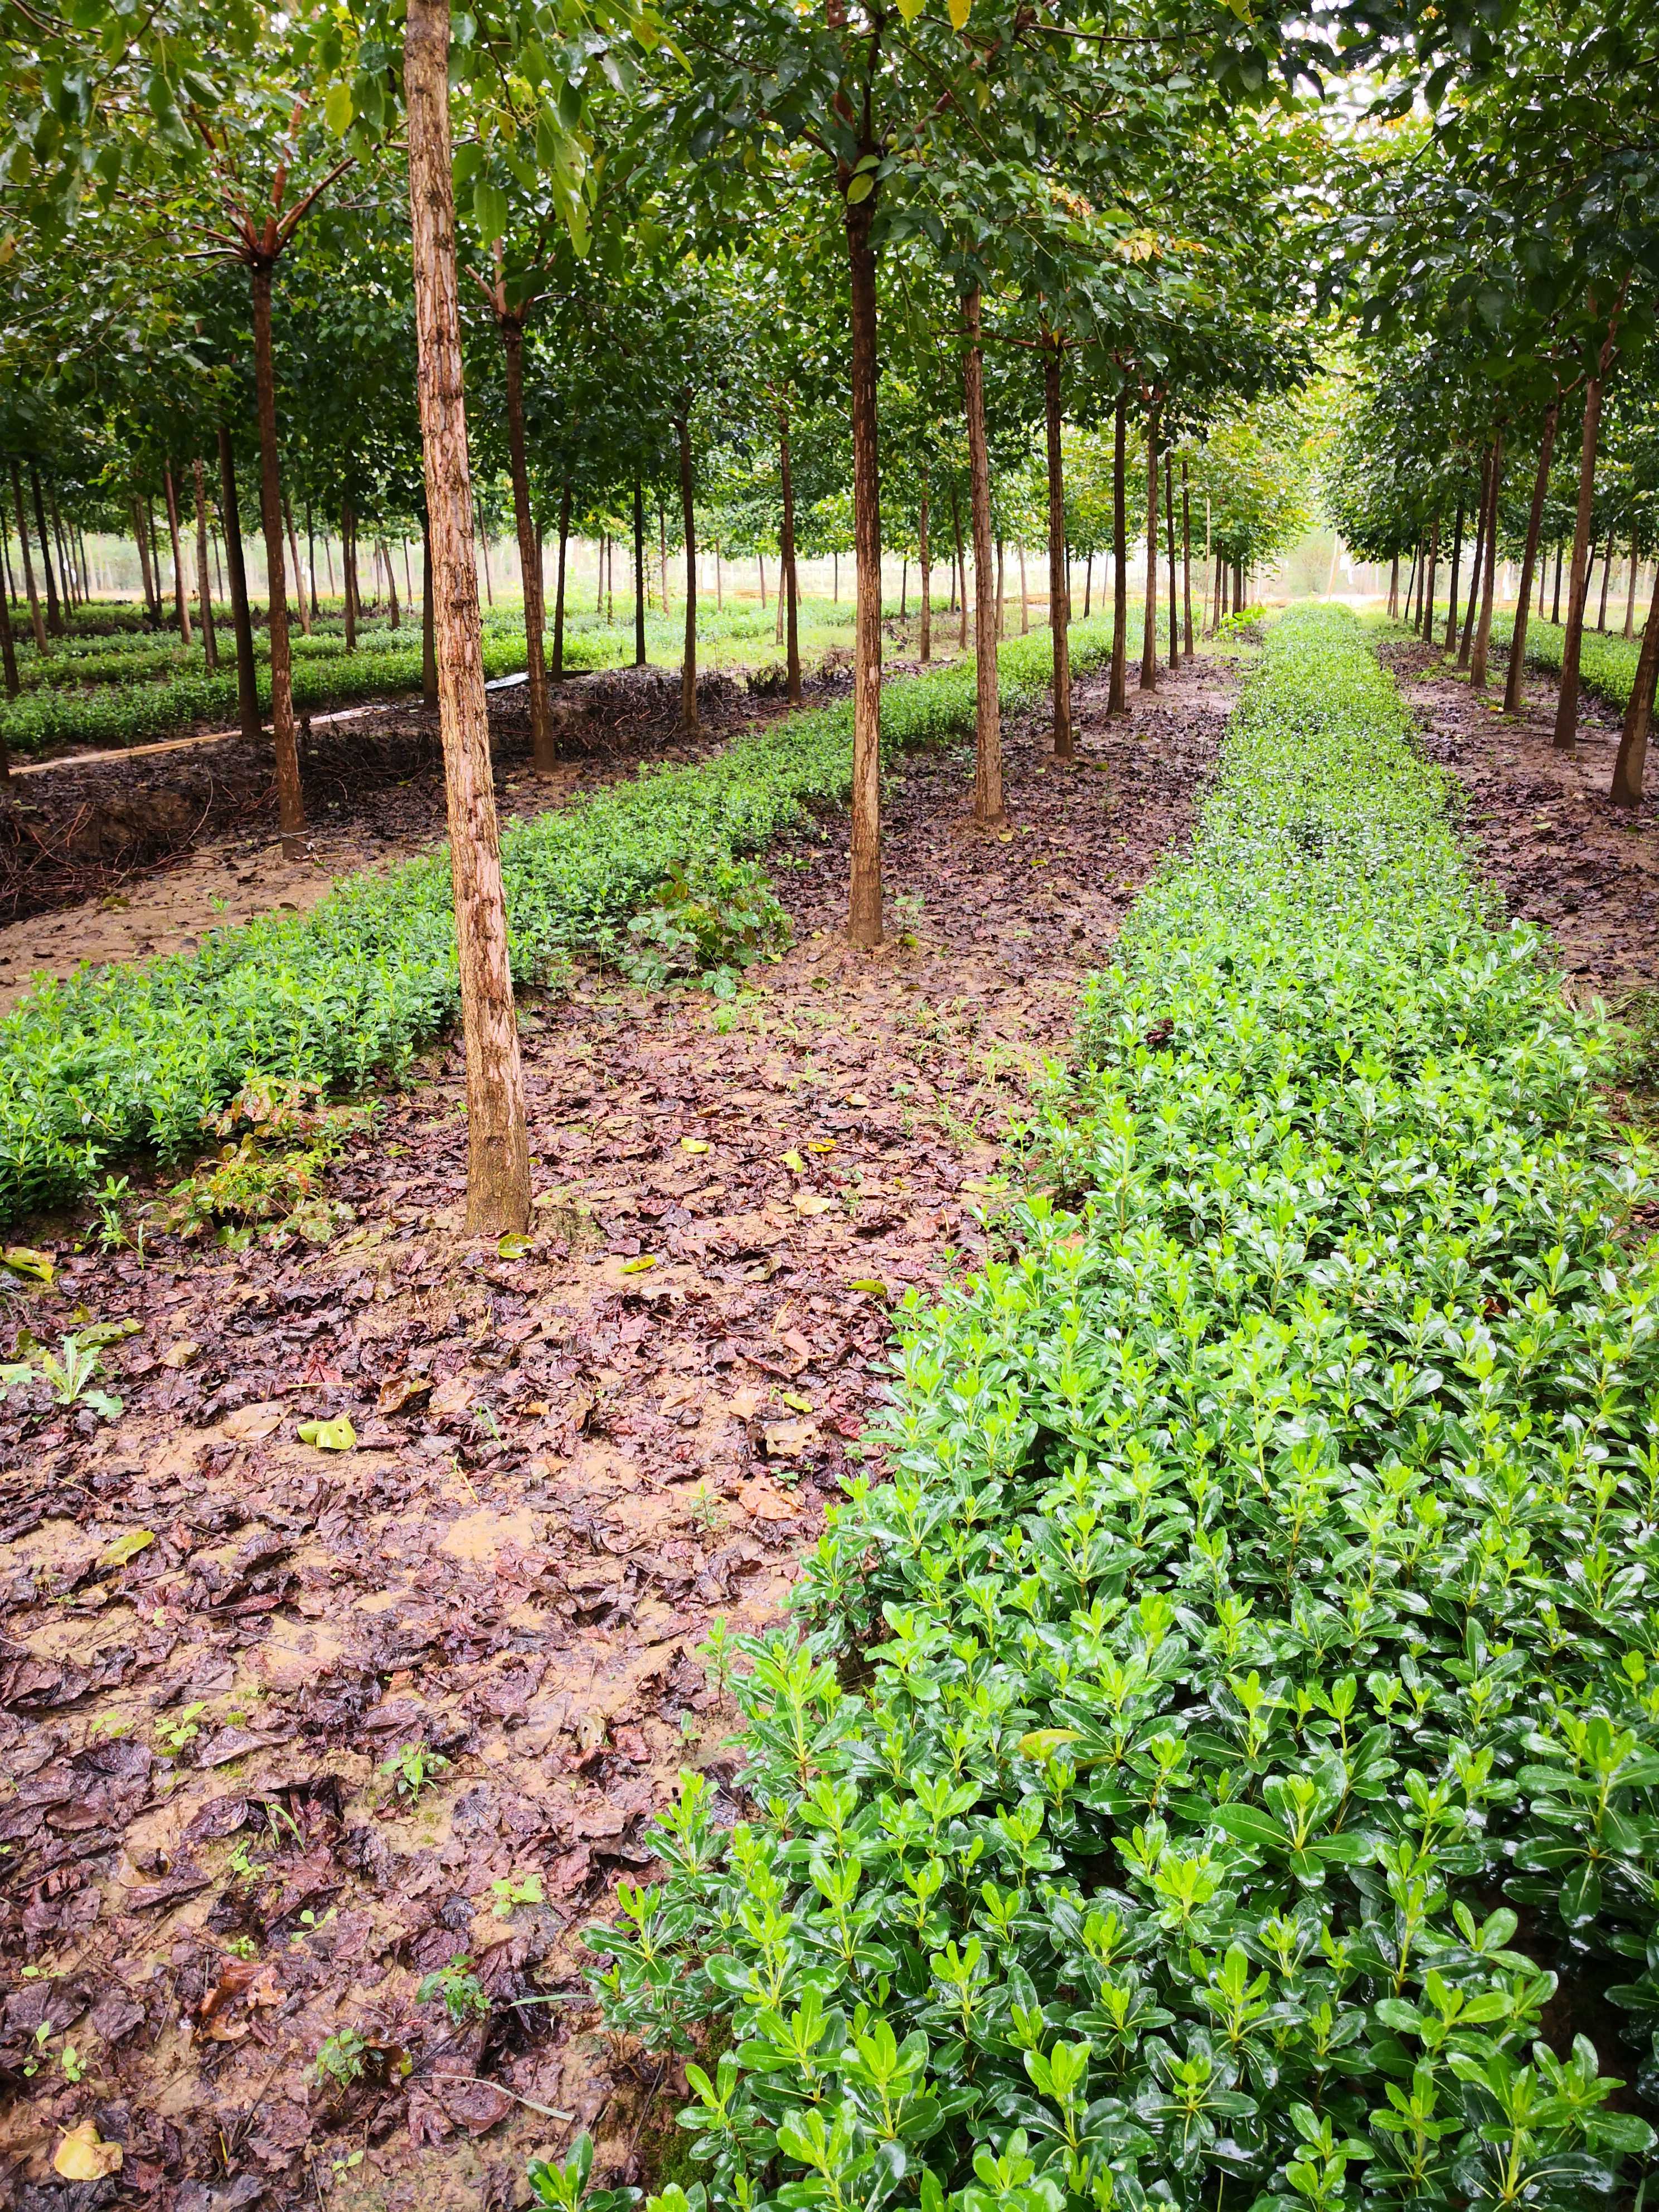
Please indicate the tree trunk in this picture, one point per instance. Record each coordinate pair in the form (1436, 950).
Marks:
(390, 584)
(290, 803)
(926, 563)
(1088, 582)
(1466, 646)
(1024, 594)
(72, 594)
(959, 586)
(1541, 487)
(863, 913)
(1430, 577)
(543, 759)
(760, 562)
(241, 615)
(204, 580)
(484, 551)
(1489, 574)
(1059, 612)
(639, 573)
(1394, 589)
(299, 573)
(1001, 552)
(348, 572)
(688, 520)
(1566, 704)
(988, 707)
(1117, 696)
(1186, 563)
(9, 665)
(1170, 547)
(35, 622)
(54, 610)
(311, 556)
(662, 561)
(786, 547)
(1457, 562)
(1607, 579)
(429, 621)
(1630, 590)
(558, 595)
(180, 595)
(1628, 769)
(498, 1155)
(1149, 623)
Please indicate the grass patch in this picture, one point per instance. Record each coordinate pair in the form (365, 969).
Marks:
(122, 1060)
(1250, 1798)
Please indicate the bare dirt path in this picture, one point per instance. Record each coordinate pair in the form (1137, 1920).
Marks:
(567, 1465)
(1547, 835)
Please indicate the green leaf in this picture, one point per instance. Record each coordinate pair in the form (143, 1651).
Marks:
(126, 1548)
(338, 1435)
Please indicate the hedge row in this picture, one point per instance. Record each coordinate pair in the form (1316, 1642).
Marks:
(1218, 1769)
(121, 1061)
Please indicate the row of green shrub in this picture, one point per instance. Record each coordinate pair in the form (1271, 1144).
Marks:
(1607, 664)
(1219, 1767)
(121, 1061)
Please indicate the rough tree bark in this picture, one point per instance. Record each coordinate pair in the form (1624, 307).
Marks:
(1489, 573)
(1456, 562)
(290, 803)
(1117, 696)
(1629, 768)
(1541, 486)
(542, 758)
(181, 593)
(959, 574)
(558, 595)
(786, 551)
(204, 580)
(1186, 563)
(35, 622)
(639, 573)
(1170, 547)
(1149, 623)
(1059, 612)
(241, 615)
(987, 708)
(498, 1156)
(1566, 703)
(1431, 572)
(1466, 644)
(1394, 589)
(429, 621)
(54, 610)
(864, 912)
(689, 721)
(925, 561)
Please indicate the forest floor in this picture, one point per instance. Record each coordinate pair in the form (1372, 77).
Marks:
(567, 1465)
(1545, 831)
(132, 856)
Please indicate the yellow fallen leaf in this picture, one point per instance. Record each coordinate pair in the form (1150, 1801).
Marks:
(83, 2155)
(857, 1098)
(809, 1201)
(794, 1163)
(692, 1144)
(872, 1286)
(638, 1266)
(514, 1245)
(329, 1436)
(820, 1144)
(1005, 836)
(126, 1548)
(793, 1398)
(24, 1259)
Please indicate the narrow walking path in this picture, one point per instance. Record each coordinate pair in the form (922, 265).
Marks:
(567, 1465)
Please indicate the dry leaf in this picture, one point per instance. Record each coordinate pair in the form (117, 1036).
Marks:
(83, 2155)
(454, 1395)
(810, 1201)
(251, 1425)
(181, 1354)
(764, 1501)
(400, 1391)
(788, 1439)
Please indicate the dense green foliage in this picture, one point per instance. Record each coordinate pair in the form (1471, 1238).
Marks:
(1607, 664)
(122, 1059)
(1255, 1731)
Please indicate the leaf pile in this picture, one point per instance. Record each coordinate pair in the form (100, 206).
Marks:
(120, 1060)
(1249, 1796)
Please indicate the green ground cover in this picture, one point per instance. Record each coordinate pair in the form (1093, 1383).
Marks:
(1607, 664)
(123, 1061)
(1219, 1768)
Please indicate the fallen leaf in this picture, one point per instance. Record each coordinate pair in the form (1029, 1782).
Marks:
(329, 1436)
(83, 2155)
(872, 1286)
(402, 1390)
(820, 1144)
(264, 1989)
(38, 1266)
(788, 1439)
(126, 1548)
(794, 1163)
(857, 1098)
(793, 1398)
(181, 1354)
(742, 1404)
(692, 1144)
(638, 1266)
(251, 1424)
(812, 1201)
(763, 1501)
(514, 1245)
(454, 1395)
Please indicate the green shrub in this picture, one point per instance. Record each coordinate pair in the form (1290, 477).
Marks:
(119, 1060)
(1218, 1768)
(1607, 665)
